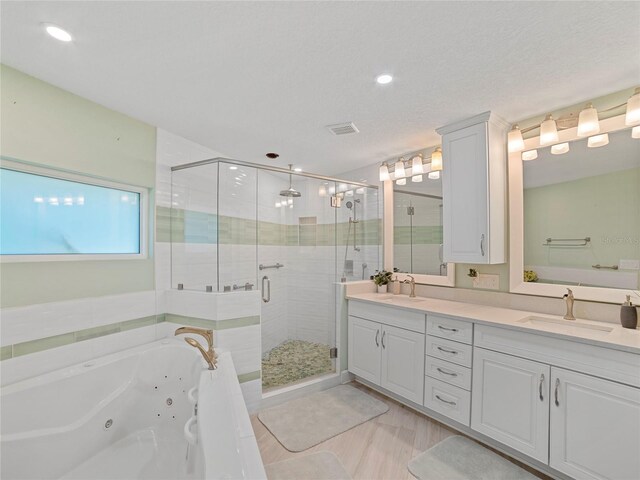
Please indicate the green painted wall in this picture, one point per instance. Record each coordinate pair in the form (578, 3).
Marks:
(44, 125)
(604, 207)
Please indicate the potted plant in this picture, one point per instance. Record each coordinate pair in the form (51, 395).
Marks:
(382, 279)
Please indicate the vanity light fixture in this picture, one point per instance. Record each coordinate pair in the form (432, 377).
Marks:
(416, 178)
(530, 155)
(401, 181)
(635, 132)
(384, 172)
(398, 170)
(515, 141)
(560, 148)
(548, 131)
(598, 140)
(434, 175)
(633, 109)
(588, 123)
(57, 32)
(436, 160)
(416, 165)
(322, 191)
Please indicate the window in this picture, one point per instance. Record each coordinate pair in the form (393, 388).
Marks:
(46, 215)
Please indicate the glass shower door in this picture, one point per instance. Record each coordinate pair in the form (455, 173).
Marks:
(296, 272)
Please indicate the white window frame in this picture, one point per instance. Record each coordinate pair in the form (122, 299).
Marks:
(89, 180)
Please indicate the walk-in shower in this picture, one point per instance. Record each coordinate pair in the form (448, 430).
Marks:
(243, 226)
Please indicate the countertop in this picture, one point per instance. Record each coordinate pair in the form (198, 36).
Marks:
(617, 338)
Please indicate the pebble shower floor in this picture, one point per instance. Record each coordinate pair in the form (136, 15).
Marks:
(295, 360)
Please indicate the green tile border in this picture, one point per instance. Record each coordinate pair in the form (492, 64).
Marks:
(248, 377)
(40, 344)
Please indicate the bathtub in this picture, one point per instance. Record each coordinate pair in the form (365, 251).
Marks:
(151, 412)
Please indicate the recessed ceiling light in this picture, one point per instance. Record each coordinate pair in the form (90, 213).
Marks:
(58, 33)
(297, 169)
(384, 79)
(233, 167)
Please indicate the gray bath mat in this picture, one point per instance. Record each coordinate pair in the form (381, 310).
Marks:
(304, 422)
(317, 466)
(458, 458)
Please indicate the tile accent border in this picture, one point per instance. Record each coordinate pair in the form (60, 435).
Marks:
(248, 377)
(212, 324)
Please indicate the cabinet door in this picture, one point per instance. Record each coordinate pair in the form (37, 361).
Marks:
(510, 401)
(465, 195)
(403, 362)
(364, 349)
(595, 427)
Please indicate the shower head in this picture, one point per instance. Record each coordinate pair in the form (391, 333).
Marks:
(349, 205)
(290, 192)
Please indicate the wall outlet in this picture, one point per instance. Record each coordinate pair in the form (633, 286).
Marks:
(487, 281)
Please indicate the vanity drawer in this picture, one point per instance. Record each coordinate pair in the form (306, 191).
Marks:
(448, 372)
(448, 400)
(450, 351)
(394, 316)
(450, 328)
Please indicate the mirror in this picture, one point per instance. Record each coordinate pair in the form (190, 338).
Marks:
(580, 225)
(413, 229)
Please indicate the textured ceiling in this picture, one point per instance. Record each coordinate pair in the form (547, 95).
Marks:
(246, 78)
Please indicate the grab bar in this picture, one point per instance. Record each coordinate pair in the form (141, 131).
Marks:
(276, 266)
(598, 266)
(266, 299)
(549, 242)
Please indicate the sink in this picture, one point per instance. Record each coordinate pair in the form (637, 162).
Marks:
(566, 326)
(403, 299)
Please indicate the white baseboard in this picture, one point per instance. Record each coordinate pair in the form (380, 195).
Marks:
(346, 376)
(285, 394)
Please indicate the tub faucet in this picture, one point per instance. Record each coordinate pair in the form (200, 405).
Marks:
(568, 298)
(411, 282)
(209, 355)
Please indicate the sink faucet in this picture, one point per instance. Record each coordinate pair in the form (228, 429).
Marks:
(411, 282)
(209, 355)
(568, 298)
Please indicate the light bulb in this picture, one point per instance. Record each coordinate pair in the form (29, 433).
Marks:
(289, 201)
(635, 132)
(416, 178)
(633, 109)
(548, 131)
(399, 169)
(401, 181)
(416, 165)
(560, 148)
(514, 140)
(598, 140)
(588, 123)
(434, 175)
(529, 155)
(384, 173)
(436, 160)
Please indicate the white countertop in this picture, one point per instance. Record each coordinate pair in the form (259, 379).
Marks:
(618, 338)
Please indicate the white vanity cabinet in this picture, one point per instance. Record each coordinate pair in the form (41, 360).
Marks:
(595, 427)
(386, 348)
(511, 401)
(474, 190)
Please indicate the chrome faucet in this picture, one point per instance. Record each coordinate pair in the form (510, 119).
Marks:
(209, 355)
(568, 298)
(411, 282)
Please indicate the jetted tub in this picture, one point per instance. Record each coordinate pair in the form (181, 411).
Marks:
(151, 412)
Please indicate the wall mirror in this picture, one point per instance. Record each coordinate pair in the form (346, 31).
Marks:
(413, 227)
(575, 216)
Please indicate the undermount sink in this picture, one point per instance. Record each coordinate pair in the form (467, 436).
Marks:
(403, 299)
(567, 326)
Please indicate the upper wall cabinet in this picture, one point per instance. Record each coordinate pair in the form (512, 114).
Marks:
(474, 190)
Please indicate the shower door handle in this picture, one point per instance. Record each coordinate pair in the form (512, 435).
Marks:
(266, 290)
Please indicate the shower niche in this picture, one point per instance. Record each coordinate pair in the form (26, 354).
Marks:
(237, 226)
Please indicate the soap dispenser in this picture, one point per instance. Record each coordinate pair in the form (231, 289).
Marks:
(628, 314)
(395, 287)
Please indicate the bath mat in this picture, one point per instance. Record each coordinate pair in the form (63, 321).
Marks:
(317, 466)
(458, 458)
(304, 422)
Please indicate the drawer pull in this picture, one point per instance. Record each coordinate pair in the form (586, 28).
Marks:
(447, 329)
(453, 374)
(445, 401)
(453, 352)
(382, 341)
(377, 335)
(540, 387)
(557, 402)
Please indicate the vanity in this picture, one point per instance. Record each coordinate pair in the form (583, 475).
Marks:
(565, 394)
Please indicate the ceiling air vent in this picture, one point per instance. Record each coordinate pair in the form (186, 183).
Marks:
(343, 128)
